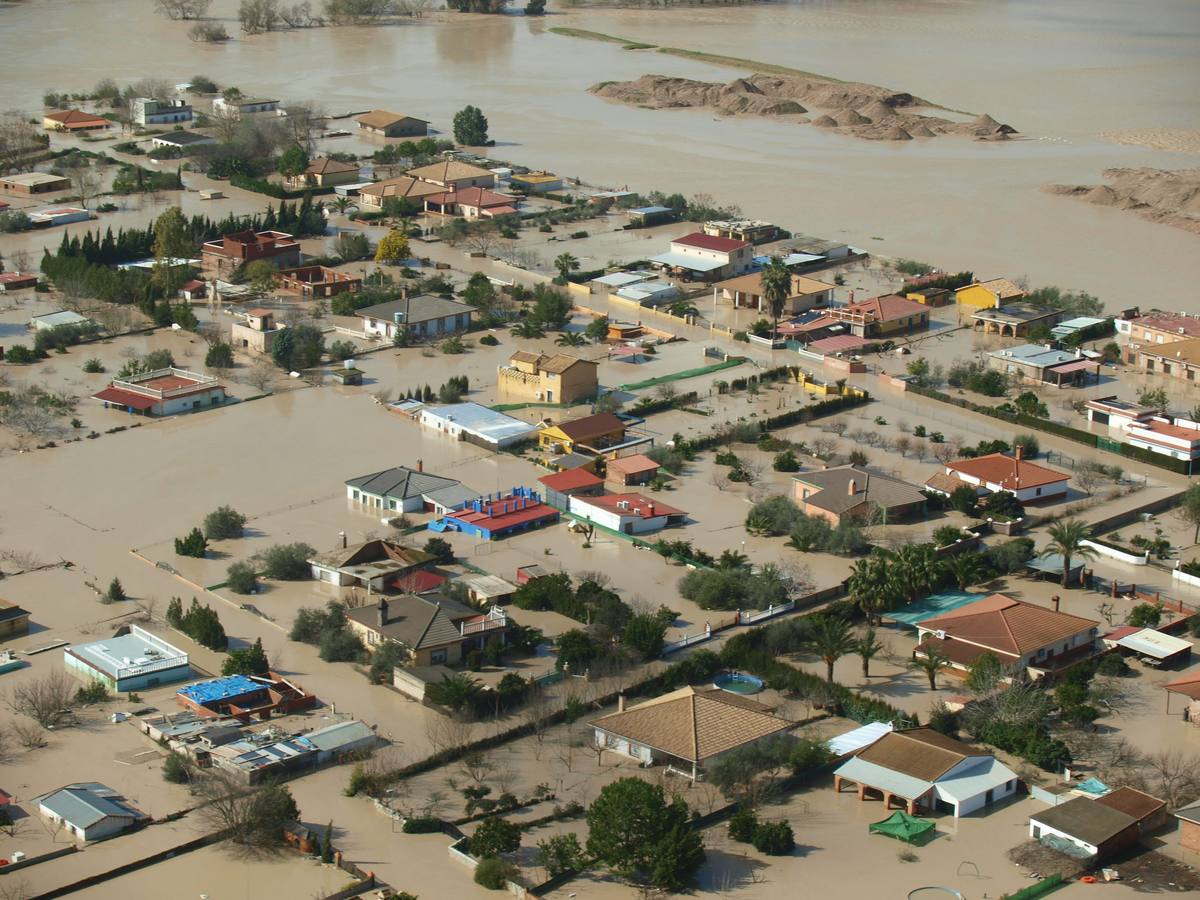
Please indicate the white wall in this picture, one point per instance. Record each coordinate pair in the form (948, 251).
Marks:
(1036, 830)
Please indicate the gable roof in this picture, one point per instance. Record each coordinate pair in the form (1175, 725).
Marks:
(704, 241)
(591, 426)
(632, 465)
(86, 803)
(326, 165)
(373, 551)
(694, 724)
(919, 753)
(629, 506)
(560, 362)
(571, 480)
(1002, 288)
(1010, 473)
(1008, 626)
(473, 196)
(449, 170)
(1087, 820)
(381, 118)
(833, 489)
(1132, 802)
(400, 482)
(420, 308)
(416, 622)
(887, 308)
(401, 186)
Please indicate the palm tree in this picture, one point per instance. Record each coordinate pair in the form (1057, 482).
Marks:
(1066, 539)
(918, 568)
(868, 648)
(967, 569)
(776, 286)
(341, 204)
(570, 339)
(932, 661)
(683, 309)
(830, 638)
(732, 559)
(566, 263)
(871, 586)
(529, 328)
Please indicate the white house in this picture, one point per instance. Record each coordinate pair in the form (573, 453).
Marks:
(706, 257)
(626, 513)
(403, 489)
(90, 811)
(149, 111)
(995, 472)
(1175, 437)
(238, 106)
(423, 316)
(476, 424)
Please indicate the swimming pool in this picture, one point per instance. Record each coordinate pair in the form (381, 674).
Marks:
(738, 683)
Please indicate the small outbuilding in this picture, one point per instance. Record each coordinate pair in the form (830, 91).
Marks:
(90, 811)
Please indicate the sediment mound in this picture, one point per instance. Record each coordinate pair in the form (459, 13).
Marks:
(1160, 195)
(864, 110)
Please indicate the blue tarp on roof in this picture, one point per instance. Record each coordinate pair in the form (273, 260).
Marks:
(1093, 786)
(220, 689)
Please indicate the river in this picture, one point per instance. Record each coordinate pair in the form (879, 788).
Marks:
(1063, 74)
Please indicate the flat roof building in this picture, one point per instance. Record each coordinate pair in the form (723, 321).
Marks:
(476, 424)
(163, 392)
(132, 660)
(34, 183)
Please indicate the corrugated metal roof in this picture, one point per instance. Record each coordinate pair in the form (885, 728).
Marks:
(1153, 643)
(683, 261)
(858, 738)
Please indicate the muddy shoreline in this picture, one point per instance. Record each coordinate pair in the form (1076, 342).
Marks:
(1158, 195)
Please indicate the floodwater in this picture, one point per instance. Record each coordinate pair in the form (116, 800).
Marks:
(1063, 74)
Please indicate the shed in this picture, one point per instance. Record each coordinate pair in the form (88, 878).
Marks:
(1085, 829)
(1164, 648)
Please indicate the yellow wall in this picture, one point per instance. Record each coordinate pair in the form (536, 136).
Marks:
(977, 297)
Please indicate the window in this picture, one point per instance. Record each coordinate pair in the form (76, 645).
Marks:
(437, 657)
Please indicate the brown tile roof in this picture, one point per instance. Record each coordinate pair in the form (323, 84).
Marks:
(694, 724)
(833, 489)
(402, 186)
(633, 465)
(1189, 686)
(1183, 351)
(947, 484)
(325, 165)
(74, 117)
(1169, 322)
(1002, 288)
(591, 426)
(1132, 802)
(884, 309)
(920, 753)
(450, 170)
(526, 356)
(416, 622)
(752, 284)
(1010, 473)
(1008, 626)
(560, 362)
(381, 118)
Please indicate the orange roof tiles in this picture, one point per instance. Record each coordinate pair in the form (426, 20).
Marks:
(1010, 473)
(1008, 626)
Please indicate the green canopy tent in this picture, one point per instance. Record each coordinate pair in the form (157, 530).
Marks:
(904, 827)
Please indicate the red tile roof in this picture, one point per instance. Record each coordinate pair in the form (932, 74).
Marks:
(710, 242)
(638, 506)
(472, 196)
(1008, 626)
(1010, 473)
(633, 465)
(838, 343)
(886, 308)
(500, 520)
(419, 581)
(125, 398)
(1165, 321)
(571, 480)
(75, 117)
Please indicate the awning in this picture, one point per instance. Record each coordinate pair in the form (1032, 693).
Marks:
(1189, 687)
(1079, 365)
(691, 263)
(1154, 644)
(857, 739)
(125, 398)
(838, 343)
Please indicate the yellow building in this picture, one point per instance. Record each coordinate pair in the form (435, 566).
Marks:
(538, 378)
(987, 294)
(589, 433)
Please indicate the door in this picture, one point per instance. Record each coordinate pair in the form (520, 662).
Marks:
(549, 396)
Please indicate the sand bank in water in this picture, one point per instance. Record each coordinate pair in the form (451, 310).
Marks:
(861, 110)
(1169, 197)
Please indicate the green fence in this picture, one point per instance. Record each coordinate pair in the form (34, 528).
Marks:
(1041, 889)
(686, 373)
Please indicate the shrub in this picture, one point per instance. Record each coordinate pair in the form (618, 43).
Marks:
(489, 340)
(1113, 664)
(495, 836)
(786, 462)
(193, 544)
(95, 692)
(176, 769)
(223, 523)
(241, 578)
(20, 355)
(774, 838)
(493, 873)
(440, 549)
(93, 366)
(341, 645)
(742, 825)
(422, 825)
(1145, 615)
(116, 593)
(340, 350)
(946, 535)
(219, 356)
(287, 562)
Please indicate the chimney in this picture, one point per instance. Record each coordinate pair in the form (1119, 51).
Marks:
(420, 465)
(650, 509)
(1019, 452)
(852, 487)
(1055, 601)
(342, 535)
(620, 703)
(381, 612)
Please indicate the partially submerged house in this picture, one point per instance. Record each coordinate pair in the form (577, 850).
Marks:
(923, 769)
(592, 433)
(1097, 829)
(993, 294)
(422, 316)
(745, 292)
(476, 424)
(704, 257)
(244, 697)
(531, 377)
(431, 631)
(472, 203)
(382, 123)
(1020, 634)
(686, 729)
(163, 392)
(133, 659)
(454, 175)
(855, 493)
(258, 332)
(323, 172)
(879, 317)
(1045, 365)
(1015, 320)
(14, 620)
(318, 282)
(626, 513)
(562, 486)
(373, 564)
(995, 472)
(628, 471)
(222, 257)
(408, 490)
(372, 197)
(90, 811)
(73, 120)
(490, 518)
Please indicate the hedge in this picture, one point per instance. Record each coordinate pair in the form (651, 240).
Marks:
(656, 406)
(785, 420)
(1043, 887)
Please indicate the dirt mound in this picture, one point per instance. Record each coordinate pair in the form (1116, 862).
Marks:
(1160, 195)
(848, 105)
(849, 117)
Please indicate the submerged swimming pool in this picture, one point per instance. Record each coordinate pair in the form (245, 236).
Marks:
(738, 683)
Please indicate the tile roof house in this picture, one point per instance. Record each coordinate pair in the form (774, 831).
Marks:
(856, 493)
(373, 564)
(706, 257)
(988, 294)
(1178, 359)
(73, 120)
(890, 314)
(324, 171)
(1020, 634)
(453, 174)
(403, 187)
(404, 489)
(994, 472)
(686, 729)
(389, 124)
(924, 769)
(542, 378)
(1015, 319)
(561, 486)
(627, 471)
(163, 392)
(472, 203)
(90, 811)
(225, 255)
(745, 292)
(421, 316)
(626, 513)
(433, 631)
(593, 432)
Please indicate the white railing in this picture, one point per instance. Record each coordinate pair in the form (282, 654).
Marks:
(136, 387)
(688, 640)
(495, 618)
(746, 617)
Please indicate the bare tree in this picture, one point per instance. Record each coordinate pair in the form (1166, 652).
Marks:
(261, 375)
(19, 141)
(182, 9)
(1174, 776)
(483, 237)
(5, 746)
(944, 453)
(46, 700)
(538, 708)
(719, 479)
(31, 735)
(1088, 476)
(447, 733)
(85, 182)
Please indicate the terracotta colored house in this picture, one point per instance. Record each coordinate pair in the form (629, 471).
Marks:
(223, 256)
(73, 120)
(883, 316)
(745, 292)
(537, 377)
(631, 470)
(471, 203)
(382, 123)
(404, 187)
(323, 172)
(316, 282)
(994, 472)
(454, 175)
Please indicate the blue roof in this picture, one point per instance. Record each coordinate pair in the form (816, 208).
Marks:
(220, 689)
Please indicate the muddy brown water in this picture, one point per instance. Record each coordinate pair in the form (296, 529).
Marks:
(1062, 74)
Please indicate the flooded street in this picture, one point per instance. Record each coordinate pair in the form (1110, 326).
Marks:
(1063, 76)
